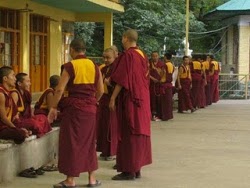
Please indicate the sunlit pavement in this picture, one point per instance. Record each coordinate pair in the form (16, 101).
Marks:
(209, 148)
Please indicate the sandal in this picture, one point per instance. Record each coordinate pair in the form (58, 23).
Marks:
(97, 183)
(50, 168)
(28, 173)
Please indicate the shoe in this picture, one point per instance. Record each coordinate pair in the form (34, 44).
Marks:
(181, 112)
(192, 110)
(50, 168)
(155, 118)
(115, 167)
(123, 176)
(63, 185)
(97, 183)
(28, 173)
(110, 158)
(39, 171)
(138, 174)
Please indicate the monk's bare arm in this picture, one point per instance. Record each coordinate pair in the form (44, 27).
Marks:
(14, 96)
(211, 73)
(3, 115)
(60, 88)
(114, 96)
(178, 77)
(49, 100)
(100, 87)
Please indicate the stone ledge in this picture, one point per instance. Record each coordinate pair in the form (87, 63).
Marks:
(32, 153)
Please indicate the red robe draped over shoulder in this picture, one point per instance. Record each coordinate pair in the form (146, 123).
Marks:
(107, 120)
(134, 146)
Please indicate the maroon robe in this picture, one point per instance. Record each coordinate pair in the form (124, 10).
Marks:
(155, 88)
(215, 85)
(196, 90)
(208, 86)
(184, 98)
(6, 132)
(77, 137)
(106, 121)
(38, 124)
(166, 98)
(40, 107)
(133, 105)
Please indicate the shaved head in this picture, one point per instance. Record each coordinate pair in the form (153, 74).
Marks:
(131, 35)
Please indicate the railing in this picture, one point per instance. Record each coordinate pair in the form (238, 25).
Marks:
(234, 86)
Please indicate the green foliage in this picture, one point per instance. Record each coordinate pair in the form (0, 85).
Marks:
(156, 20)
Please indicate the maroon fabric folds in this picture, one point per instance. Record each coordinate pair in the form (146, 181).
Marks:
(133, 109)
(184, 100)
(135, 94)
(77, 138)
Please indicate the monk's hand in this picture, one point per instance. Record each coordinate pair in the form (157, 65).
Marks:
(179, 87)
(112, 104)
(52, 115)
(107, 81)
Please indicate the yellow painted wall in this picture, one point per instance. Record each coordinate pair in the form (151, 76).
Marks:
(106, 18)
(244, 41)
(230, 47)
(55, 37)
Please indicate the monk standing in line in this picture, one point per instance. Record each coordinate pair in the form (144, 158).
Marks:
(166, 97)
(184, 81)
(131, 93)
(77, 137)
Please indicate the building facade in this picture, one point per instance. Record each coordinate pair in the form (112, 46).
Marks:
(35, 34)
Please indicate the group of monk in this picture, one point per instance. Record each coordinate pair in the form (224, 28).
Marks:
(196, 84)
(107, 108)
(18, 120)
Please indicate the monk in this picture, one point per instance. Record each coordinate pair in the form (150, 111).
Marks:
(184, 82)
(166, 97)
(157, 69)
(107, 119)
(131, 93)
(7, 112)
(38, 124)
(44, 103)
(196, 74)
(214, 75)
(207, 68)
(77, 137)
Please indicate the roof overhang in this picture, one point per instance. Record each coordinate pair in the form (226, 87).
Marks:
(84, 6)
(225, 14)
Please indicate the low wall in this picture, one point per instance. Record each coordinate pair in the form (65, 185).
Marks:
(34, 152)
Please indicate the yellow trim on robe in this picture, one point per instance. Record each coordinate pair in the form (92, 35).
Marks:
(84, 71)
(197, 65)
(170, 67)
(216, 65)
(140, 52)
(186, 73)
(104, 84)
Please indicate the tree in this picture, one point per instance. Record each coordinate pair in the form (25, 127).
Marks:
(159, 23)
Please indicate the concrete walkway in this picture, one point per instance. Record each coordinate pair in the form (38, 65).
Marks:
(207, 149)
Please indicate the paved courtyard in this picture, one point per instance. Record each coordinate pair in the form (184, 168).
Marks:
(207, 149)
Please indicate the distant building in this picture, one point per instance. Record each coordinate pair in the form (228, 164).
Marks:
(35, 34)
(236, 42)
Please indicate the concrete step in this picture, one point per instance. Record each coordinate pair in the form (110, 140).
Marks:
(34, 152)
